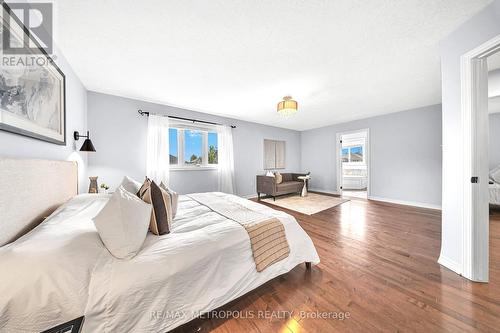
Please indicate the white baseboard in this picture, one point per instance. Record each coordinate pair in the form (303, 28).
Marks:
(406, 203)
(323, 191)
(450, 264)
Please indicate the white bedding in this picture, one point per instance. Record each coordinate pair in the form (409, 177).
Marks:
(494, 193)
(61, 270)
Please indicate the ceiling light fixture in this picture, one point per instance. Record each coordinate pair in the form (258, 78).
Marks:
(287, 106)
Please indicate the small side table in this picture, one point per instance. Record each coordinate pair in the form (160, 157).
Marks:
(304, 189)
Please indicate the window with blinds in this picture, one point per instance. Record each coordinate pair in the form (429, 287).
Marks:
(274, 154)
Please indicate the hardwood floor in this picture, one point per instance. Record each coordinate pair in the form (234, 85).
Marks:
(378, 264)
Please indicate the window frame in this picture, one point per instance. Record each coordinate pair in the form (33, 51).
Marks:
(181, 162)
(349, 162)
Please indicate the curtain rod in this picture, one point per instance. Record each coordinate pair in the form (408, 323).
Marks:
(146, 113)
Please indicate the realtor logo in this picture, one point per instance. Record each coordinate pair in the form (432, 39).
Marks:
(36, 19)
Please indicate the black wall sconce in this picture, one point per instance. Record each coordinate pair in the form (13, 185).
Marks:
(87, 144)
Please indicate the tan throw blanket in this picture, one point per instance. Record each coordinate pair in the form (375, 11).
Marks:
(266, 233)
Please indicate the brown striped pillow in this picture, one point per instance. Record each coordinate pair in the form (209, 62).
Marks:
(161, 216)
(144, 187)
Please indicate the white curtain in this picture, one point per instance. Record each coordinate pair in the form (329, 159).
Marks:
(226, 159)
(158, 158)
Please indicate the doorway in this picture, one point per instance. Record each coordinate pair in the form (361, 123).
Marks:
(353, 164)
(477, 70)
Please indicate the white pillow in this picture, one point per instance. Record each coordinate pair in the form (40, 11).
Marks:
(495, 174)
(131, 185)
(123, 223)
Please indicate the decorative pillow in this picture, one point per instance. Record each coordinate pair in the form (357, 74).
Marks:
(175, 198)
(123, 223)
(130, 184)
(495, 175)
(144, 187)
(270, 174)
(161, 217)
(279, 178)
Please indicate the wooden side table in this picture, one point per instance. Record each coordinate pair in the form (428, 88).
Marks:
(304, 189)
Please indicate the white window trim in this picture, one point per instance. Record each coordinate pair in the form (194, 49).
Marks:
(349, 155)
(181, 165)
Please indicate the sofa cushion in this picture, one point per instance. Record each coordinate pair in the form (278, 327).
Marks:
(289, 186)
(287, 177)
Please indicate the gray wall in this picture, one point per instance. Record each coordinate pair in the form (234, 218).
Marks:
(119, 135)
(494, 140)
(405, 162)
(13, 145)
(478, 30)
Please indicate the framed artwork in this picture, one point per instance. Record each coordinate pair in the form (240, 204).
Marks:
(32, 87)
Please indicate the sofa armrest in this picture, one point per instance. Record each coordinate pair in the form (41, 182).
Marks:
(266, 185)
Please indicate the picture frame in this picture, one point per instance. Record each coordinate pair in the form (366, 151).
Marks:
(32, 96)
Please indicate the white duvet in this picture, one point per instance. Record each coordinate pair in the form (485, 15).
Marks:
(61, 270)
(494, 193)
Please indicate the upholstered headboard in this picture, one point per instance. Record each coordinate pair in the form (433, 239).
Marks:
(31, 190)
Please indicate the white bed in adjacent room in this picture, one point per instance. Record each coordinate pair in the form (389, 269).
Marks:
(61, 270)
(494, 190)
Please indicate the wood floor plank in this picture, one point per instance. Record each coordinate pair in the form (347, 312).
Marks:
(379, 264)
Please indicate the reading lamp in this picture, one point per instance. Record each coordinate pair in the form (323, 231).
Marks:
(87, 144)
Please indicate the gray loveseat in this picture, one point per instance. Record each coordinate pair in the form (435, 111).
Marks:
(290, 184)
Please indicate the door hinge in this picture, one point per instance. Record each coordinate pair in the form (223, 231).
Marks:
(341, 187)
(474, 180)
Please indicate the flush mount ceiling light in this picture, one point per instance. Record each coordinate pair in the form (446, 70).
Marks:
(287, 106)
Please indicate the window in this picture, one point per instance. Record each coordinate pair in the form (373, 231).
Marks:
(357, 154)
(353, 154)
(345, 155)
(274, 154)
(213, 148)
(173, 146)
(192, 148)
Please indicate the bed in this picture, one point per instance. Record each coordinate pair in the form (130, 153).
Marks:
(61, 270)
(494, 190)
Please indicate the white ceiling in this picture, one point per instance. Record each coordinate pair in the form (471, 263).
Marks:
(341, 60)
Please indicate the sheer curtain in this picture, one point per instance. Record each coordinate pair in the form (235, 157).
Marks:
(158, 159)
(226, 159)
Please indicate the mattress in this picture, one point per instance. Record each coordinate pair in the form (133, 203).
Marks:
(494, 190)
(61, 270)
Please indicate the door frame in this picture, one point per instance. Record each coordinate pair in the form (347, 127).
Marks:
(474, 116)
(338, 150)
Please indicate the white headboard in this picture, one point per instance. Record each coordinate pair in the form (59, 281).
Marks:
(31, 190)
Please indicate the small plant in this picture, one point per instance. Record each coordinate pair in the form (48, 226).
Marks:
(104, 186)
